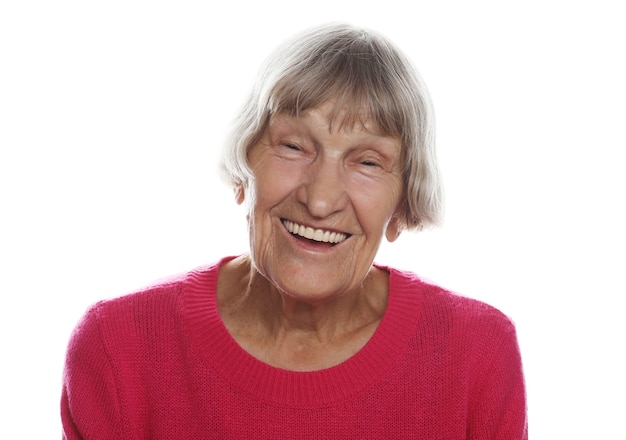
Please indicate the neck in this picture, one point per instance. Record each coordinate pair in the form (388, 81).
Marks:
(258, 313)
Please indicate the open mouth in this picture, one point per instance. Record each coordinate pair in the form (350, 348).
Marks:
(317, 235)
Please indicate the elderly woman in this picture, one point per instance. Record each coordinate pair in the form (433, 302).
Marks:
(305, 337)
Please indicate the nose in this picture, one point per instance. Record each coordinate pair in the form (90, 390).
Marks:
(324, 190)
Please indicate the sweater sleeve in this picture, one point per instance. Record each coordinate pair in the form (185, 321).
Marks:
(89, 402)
(498, 407)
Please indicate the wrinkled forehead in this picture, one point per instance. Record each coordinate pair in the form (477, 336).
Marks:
(343, 115)
(337, 117)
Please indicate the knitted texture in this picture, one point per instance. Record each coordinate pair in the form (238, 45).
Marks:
(160, 364)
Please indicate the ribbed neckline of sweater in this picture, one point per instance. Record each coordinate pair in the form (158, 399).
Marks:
(216, 348)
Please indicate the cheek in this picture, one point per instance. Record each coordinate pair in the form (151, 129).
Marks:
(274, 182)
(376, 202)
(268, 191)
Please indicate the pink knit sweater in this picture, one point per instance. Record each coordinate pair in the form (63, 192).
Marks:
(160, 364)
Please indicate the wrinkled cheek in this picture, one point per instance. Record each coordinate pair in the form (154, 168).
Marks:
(262, 241)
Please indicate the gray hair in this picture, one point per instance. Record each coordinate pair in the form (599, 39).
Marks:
(359, 70)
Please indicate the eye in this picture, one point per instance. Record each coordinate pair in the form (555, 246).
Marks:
(291, 146)
(369, 163)
(290, 150)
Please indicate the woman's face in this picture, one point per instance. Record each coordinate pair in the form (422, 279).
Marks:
(320, 203)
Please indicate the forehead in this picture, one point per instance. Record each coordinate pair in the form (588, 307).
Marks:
(334, 118)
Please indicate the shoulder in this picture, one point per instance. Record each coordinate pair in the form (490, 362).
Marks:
(453, 312)
(473, 335)
(145, 309)
(154, 298)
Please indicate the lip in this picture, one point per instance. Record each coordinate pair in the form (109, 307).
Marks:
(309, 236)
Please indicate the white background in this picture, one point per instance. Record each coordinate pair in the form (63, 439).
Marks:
(111, 114)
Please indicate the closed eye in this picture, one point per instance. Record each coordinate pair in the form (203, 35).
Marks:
(292, 146)
(369, 163)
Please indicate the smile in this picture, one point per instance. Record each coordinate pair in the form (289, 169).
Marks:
(314, 234)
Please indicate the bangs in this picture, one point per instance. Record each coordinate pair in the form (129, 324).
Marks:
(354, 78)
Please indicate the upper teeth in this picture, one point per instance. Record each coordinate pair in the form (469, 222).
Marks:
(314, 234)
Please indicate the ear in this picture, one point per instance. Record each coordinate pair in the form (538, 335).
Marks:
(240, 194)
(394, 228)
